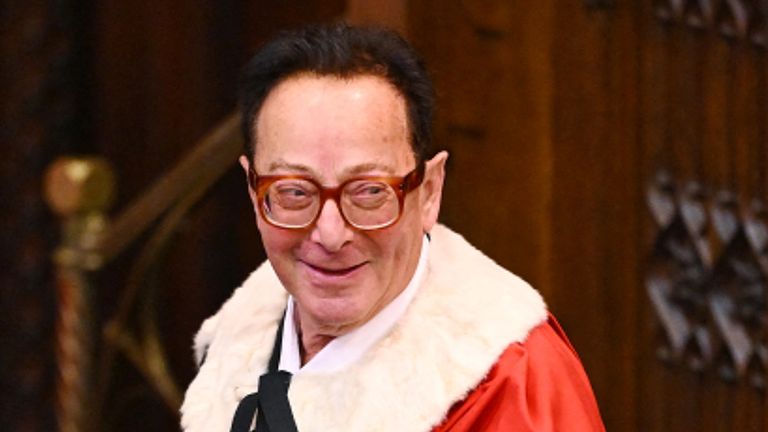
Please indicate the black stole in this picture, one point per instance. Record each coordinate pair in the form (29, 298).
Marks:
(271, 401)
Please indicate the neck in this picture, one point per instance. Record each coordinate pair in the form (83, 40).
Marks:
(309, 347)
(311, 340)
(314, 336)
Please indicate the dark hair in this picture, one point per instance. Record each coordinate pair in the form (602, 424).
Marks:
(342, 50)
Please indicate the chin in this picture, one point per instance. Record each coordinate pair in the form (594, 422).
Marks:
(335, 312)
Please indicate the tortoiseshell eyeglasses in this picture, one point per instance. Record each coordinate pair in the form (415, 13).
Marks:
(366, 203)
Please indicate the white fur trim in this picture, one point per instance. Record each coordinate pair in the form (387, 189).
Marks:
(464, 316)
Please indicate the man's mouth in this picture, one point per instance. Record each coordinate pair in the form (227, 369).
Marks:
(333, 271)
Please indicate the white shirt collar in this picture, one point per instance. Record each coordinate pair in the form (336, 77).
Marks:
(346, 349)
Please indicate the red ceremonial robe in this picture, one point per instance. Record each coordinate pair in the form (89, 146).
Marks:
(537, 385)
(476, 350)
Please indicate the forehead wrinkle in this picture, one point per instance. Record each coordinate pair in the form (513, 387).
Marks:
(282, 164)
(365, 168)
(345, 174)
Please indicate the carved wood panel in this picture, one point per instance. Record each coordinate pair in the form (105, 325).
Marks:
(736, 19)
(710, 305)
(704, 180)
(627, 182)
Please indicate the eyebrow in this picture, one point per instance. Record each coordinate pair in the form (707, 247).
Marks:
(368, 167)
(355, 170)
(281, 164)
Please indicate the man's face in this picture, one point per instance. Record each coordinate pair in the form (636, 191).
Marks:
(332, 130)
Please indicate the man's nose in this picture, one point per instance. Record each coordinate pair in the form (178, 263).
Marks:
(331, 230)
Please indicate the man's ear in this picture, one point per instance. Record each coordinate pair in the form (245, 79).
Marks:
(246, 164)
(432, 190)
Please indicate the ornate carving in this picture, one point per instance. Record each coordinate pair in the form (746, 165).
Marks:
(669, 10)
(707, 280)
(696, 13)
(735, 292)
(676, 282)
(733, 18)
(756, 234)
(758, 26)
(736, 19)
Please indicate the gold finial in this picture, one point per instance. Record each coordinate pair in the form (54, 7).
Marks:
(79, 185)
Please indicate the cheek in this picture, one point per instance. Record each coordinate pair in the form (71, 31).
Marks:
(277, 242)
(398, 245)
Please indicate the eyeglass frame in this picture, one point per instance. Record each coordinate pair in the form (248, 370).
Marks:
(401, 185)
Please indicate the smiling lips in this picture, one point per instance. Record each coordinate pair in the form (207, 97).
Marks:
(334, 272)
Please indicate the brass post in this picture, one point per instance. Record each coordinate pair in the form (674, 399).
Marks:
(79, 190)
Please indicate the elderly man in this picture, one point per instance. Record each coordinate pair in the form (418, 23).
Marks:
(368, 315)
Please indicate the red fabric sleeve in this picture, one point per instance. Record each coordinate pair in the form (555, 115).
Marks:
(538, 385)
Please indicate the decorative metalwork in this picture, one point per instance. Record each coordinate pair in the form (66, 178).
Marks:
(735, 19)
(707, 280)
(79, 190)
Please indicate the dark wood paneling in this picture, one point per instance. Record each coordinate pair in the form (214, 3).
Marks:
(580, 134)
(163, 74)
(137, 83)
(595, 206)
(611, 96)
(41, 78)
(493, 104)
(709, 115)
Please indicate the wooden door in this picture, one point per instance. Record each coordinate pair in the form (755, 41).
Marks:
(614, 154)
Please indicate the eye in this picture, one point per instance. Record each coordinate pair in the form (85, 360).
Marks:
(292, 194)
(369, 194)
(367, 189)
(371, 190)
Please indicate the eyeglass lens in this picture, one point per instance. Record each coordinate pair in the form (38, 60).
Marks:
(364, 203)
